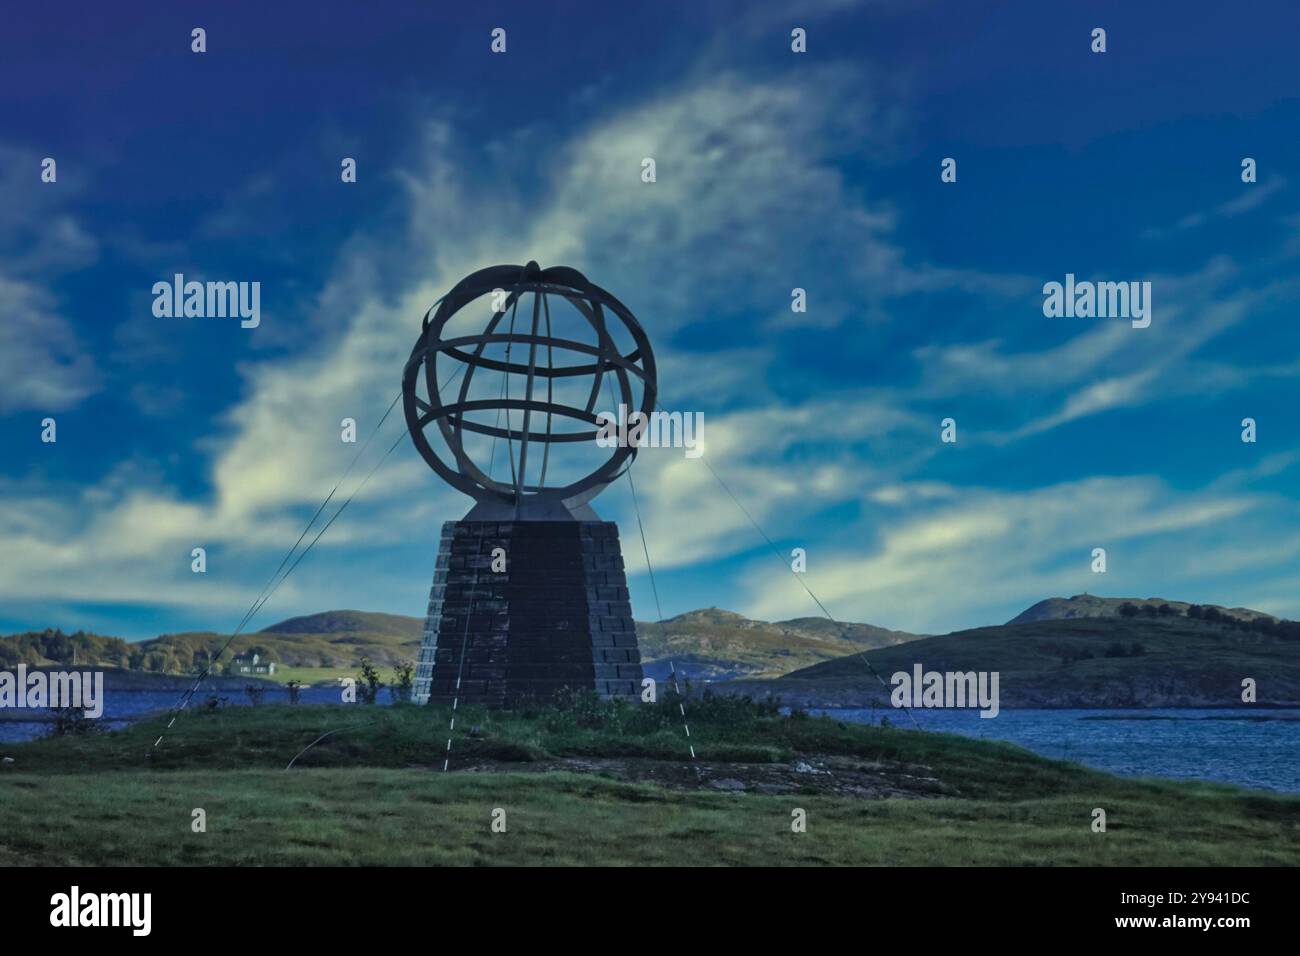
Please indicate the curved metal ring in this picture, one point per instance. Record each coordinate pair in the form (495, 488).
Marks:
(591, 301)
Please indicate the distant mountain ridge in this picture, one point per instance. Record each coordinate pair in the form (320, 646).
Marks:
(713, 644)
(1092, 605)
(339, 622)
(330, 639)
(1080, 652)
(707, 644)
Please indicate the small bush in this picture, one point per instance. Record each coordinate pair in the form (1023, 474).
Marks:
(368, 682)
(72, 722)
(402, 681)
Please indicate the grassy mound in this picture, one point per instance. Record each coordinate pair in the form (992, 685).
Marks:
(723, 729)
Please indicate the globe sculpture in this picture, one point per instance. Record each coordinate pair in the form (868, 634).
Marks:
(530, 356)
(505, 394)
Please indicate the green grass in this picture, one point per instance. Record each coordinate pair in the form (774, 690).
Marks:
(375, 793)
(373, 816)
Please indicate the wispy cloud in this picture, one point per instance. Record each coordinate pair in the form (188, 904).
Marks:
(43, 365)
(980, 557)
(1253, 196)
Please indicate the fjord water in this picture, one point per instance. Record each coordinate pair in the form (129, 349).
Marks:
(1256, 748)
(122, 706)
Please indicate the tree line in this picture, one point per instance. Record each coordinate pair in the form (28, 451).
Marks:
(1279, 628)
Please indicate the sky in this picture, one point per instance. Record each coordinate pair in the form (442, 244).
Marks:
(775, 170)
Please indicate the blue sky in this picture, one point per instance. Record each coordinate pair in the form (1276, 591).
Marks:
(775, 170)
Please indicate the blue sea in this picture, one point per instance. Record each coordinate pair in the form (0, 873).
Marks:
(1254, 749)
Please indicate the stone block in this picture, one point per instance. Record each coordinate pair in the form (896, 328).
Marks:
(558, 617)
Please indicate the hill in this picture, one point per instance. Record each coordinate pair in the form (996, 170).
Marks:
(714, 644)
(334, 639)
(49, 647)
(1091, 605)
(370, 623)
(1083, 662)
(708, 644)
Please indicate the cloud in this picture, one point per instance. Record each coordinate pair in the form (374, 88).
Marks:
(1251, 197)
(1094, 398)
(38, 236)
(1108, 365)
(43, 365)
(783, 463)
(741, 174)
(979, 558)
(276, 450)
(108, 544)
(749, 196)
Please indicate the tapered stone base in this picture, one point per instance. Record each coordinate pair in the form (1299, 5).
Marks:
(558, 615)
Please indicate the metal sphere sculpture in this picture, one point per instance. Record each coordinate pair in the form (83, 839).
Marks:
(518, 345)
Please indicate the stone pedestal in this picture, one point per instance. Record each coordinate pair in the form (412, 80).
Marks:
(557, 616)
